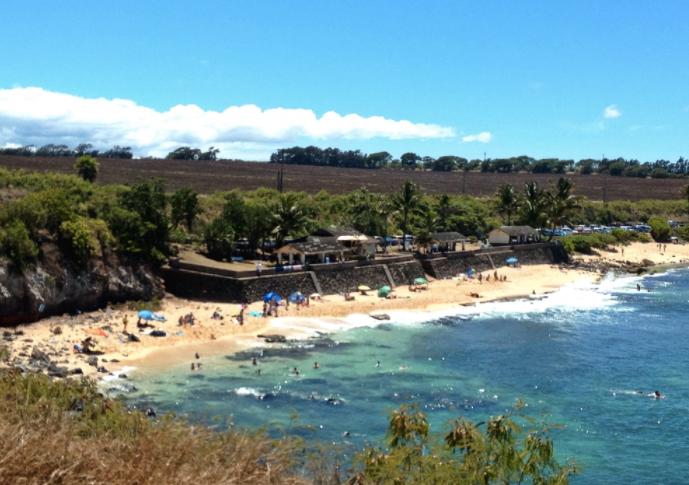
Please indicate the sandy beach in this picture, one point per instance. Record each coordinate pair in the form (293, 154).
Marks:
(57, 336)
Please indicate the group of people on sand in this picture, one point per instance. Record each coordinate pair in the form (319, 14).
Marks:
(187, 320)
(196, 365)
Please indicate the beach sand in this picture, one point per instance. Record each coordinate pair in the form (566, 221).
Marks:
(212, 336)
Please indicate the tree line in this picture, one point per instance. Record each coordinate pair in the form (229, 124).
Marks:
(53, 150)
(333, 157)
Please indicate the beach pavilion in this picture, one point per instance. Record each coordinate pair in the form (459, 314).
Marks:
(357, 242)
(312, 249)
(447, 241)
(513, 235)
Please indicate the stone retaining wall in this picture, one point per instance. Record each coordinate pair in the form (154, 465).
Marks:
(336, 279)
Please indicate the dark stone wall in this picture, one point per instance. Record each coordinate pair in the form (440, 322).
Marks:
(340, 281)
(334, 279)
(454, 264)
(203, 286)
(405, 273)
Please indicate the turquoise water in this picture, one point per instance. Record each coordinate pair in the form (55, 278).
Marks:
(578, 357)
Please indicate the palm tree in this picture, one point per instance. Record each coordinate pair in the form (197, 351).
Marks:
(507, 202)
(533, 204)
(445, 211)
(424, 234)
(407, 201)
(559, 204)
(289, 218)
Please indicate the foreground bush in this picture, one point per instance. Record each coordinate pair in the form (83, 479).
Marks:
(64, 433)
(504, 453)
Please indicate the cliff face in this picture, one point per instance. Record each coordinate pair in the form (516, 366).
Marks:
(55, 285)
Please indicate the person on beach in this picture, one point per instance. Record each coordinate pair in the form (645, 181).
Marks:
(125, 321)
(197, 356)
(495, 275)
(265, 309)
(259, 268)
(480, 278)
(198, 366)
(193, 366)
(240, 316)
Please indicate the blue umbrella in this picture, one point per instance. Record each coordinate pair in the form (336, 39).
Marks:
(271, 296)
(512, 260)
(146, 315)
(296, 297)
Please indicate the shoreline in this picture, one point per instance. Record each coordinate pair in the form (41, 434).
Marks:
(211, 337)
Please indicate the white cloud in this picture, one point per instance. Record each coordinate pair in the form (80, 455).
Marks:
(611, 112)
(483, 137)
(36, 116)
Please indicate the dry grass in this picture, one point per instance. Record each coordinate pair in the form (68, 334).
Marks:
(64, 433)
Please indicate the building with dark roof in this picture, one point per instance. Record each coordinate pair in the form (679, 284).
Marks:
(508, 235)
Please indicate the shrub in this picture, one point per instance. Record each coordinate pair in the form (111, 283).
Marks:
(660, 229)
(585, 243)
(87, 167)
(80, 238)
(16, 244)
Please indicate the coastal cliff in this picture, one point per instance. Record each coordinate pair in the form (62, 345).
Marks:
(56, 284)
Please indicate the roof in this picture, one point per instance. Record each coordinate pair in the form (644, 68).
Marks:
(336, 231)
(313, 245)
(448, 236)
(517, 230)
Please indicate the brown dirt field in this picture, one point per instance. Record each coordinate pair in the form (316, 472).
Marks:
(211, 176)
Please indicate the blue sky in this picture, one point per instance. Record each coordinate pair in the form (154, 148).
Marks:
(533, 77)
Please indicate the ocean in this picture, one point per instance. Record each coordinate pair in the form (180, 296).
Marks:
(585, 357)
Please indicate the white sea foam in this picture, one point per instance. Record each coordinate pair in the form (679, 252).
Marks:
(248, 391)
(116, 375)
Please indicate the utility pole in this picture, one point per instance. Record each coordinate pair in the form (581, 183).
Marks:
(280, 177)
(605, 181)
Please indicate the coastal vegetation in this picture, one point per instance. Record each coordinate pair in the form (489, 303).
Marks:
(67, 432)
(144, 220)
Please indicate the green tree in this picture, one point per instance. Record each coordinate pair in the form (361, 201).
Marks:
(533, 203)
(507, 203)
(290, 218)
(425, 227)
(505, 452)
(16, 244)
(409, 160)
(140, 223)
(184, 207)
(407, 202)
(219, 238)
(660, 229)
(87, 167)
(560, 204)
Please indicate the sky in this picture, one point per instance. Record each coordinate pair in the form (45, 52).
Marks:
(469, 78)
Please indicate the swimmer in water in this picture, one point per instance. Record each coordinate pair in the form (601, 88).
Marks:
(377, 363)
(657, 395)
(316, 365)
(638, 287)
(253, 361)
(193, 366)
(295, 371)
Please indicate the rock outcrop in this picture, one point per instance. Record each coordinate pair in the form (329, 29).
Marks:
(55, 285)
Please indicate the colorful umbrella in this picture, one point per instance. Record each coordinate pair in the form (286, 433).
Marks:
(296, 297)
(384, 291)
(420, 281)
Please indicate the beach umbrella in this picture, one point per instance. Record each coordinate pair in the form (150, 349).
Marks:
(271, 296)
(420, 281)
(296, 297)
(384, 291)
(512, 261)
(363, 288)
(146, 315)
